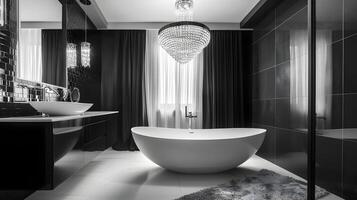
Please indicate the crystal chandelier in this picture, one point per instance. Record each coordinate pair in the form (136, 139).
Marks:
(185, 39)
(85, 54)
(71, 57)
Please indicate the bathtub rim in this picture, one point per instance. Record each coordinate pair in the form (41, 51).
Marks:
(259, 132)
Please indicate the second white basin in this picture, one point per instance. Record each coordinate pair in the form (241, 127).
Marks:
(57, 108)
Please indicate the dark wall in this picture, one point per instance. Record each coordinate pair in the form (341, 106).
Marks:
(279, 81)
(276, 107)
(8, 43)
(88, 80)
(76, 17)
(336, 126)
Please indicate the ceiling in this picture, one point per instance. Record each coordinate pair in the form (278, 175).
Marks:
(216, 11)
(40, 10)
(139, 11)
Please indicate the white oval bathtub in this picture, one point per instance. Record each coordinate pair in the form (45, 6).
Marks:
(204, 151)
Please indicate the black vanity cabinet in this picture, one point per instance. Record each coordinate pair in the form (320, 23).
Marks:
(41, 152)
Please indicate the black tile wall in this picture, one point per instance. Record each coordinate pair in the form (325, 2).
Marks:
(350, 17)
(283, 113)
(329, 162)
(276, 107)
(264, 87)
(349, 165)
(283, 110)
(337, 62)
(8, 43)
(350, 69)
(336, 107)
(282, 80)
(282, 46)
(288, 9)
(263, 52)
(268, 148)
(350, 109)
(265, 25)
(291, 150)
(263, 112)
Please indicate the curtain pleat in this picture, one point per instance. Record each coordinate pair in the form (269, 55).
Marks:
(123, 58)
(226, 88)
(53, 66)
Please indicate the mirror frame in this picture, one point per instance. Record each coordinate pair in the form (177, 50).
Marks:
(63, 47)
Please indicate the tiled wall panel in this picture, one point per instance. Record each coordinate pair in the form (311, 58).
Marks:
(279, 100)
(8, 43)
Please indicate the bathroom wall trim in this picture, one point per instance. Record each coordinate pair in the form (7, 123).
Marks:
(259, 10)
(41, 25)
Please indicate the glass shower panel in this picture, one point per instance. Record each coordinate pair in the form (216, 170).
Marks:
(336, 97)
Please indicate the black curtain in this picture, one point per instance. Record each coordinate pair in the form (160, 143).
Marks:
(123, 59)
(53, 66)
(226, 81)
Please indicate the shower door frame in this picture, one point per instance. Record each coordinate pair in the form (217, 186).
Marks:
(311, 136)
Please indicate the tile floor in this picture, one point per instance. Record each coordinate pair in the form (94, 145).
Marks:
(124, 175)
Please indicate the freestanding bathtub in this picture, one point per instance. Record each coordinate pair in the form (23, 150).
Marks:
(203, 151)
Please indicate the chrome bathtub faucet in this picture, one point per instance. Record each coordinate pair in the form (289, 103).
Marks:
(189, 116)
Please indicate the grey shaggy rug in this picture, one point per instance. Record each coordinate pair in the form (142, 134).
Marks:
(264, 184)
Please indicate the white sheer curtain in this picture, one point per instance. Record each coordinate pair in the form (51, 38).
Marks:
(171, 86)
(30, 62)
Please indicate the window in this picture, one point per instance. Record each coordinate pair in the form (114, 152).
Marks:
(170, 86)
(176, 82)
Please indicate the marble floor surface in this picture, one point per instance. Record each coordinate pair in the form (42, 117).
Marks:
(124, 175)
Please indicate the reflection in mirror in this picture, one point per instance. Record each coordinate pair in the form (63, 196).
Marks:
(299, 75)
(40, 42)
(78, 47)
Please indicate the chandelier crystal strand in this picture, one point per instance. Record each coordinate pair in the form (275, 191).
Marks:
(71, 51)
(183, 40)
(85, 54)
(85, 48)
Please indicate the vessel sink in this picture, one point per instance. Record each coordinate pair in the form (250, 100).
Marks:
(60, 108)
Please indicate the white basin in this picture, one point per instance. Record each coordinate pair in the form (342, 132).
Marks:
(60, 107)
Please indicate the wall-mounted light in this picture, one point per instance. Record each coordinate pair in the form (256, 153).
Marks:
(2, 12)
(85, 54)
(71, 52)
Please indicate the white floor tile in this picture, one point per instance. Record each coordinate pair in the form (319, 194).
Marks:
(125, 175)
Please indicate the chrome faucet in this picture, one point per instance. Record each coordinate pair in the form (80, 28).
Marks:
(44, 90)
(189, 116)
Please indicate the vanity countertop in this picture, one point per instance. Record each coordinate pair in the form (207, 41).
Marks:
(39, 118)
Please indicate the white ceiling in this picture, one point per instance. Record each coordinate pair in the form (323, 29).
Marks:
(115, 14)
(40, 11)
(216, 11)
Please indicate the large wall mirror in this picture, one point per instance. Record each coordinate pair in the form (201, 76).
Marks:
(41, 49)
